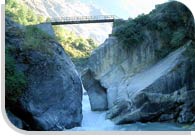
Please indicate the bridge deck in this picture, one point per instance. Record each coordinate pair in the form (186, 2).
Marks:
(82, 19)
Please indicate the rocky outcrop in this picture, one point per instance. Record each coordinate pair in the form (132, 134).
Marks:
(110, 63)
(140, 85)
(96, 92)
(47, 28)
(52, 99)
(152, 100)
(15, 120)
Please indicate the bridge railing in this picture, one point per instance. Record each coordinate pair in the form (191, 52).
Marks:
(82, 18)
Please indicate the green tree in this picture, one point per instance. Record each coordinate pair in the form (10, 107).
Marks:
(75, 46)
(20, 13)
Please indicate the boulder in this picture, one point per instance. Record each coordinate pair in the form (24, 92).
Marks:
(188, 111)
(97, 93)
(53, 97)
(54, 94)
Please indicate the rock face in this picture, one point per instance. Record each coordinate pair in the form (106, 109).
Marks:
(52, 100)
(98, 100)
(139, 85)
(54, 94)
(47, 28)
(155, 92)
(110, 63)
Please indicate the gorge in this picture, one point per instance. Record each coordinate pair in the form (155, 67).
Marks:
(150, 81)
(141, 78)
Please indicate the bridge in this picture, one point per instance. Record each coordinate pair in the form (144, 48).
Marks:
(82, 19)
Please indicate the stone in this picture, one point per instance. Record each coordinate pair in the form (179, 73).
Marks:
(140, 85)
(54, 94)
(187, 114)
(166, 117)
(17, 122)
(97, 93)
(53, 97)
(47, 28)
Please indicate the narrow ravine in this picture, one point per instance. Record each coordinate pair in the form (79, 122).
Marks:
(95, 121)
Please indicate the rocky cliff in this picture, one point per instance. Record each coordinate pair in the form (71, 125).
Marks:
(52, 97)
(143, 71)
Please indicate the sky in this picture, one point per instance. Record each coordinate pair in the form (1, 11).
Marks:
(126, 8)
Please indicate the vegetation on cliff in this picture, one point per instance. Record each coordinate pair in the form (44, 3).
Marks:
(75, 46)
(33, 39)
(20, 40)
(173, 24)
(78, 48)
(21, 14)
(37, 69)
(29, 38)
(15, 80)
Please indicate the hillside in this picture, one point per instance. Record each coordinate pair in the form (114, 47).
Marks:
(63, 8)
(77, 47)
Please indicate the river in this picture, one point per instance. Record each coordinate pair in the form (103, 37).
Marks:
(95, 121)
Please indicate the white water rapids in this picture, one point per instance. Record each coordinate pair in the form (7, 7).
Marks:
(95, 121)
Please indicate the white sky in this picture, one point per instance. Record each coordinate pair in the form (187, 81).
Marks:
(131, 8)
(135, 7)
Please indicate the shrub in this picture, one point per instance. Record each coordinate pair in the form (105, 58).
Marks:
(178, 37)
(118, 22)
(75, 46)
(35, 39)
(130, 33)
(142, 19)
(191, 50)
(15, 80)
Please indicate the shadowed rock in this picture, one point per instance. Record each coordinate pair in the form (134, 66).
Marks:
(97, 93)
(52, 99)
